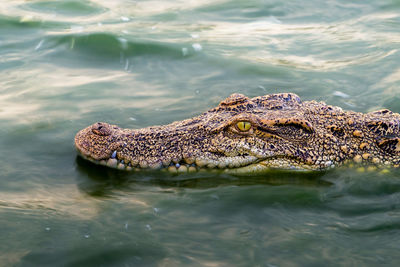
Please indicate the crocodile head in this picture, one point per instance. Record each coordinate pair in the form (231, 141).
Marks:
(245, 135)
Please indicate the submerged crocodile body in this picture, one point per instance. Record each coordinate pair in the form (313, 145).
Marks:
(242, 135)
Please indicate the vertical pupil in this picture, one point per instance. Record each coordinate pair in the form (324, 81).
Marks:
(243, 125)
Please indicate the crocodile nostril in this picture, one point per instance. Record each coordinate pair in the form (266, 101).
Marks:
(101, 129)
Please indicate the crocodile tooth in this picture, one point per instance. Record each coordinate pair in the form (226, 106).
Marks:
(182, 168)
(177, 165)
(143, 164)
(121, 166)
(172, 169)
(112, 163)
(103, 162)
(114, 154)
(192, 169)
(222, 164)
(235, 163)
(189, 160)
(155, 165)
(328, 163)
(200, 162)
(211, 165)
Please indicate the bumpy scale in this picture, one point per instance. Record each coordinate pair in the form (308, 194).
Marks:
(243, 135)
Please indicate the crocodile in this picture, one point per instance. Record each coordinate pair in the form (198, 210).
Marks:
(243, 135)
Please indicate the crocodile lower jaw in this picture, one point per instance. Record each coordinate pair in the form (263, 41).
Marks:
(278, 163)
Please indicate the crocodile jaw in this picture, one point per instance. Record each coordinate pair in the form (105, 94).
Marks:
(249, 165)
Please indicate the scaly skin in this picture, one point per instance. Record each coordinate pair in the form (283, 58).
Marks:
(284, 133)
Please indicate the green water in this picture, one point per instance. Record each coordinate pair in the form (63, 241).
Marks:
(67, 64)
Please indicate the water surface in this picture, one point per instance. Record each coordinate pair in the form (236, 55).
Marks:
(67, 64)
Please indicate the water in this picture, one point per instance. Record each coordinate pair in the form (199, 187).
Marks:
(67, 64)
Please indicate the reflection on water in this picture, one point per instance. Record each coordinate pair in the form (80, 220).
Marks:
(67, 64)
(62, 201)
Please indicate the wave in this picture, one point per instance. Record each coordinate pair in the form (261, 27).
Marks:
(68, 8)
(109, 46)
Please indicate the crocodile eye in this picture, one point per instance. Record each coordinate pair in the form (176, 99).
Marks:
(243, 126)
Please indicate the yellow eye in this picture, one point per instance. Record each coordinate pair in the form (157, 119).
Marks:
(243, 126)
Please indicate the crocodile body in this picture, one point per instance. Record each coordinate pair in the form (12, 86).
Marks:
(243, 135)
